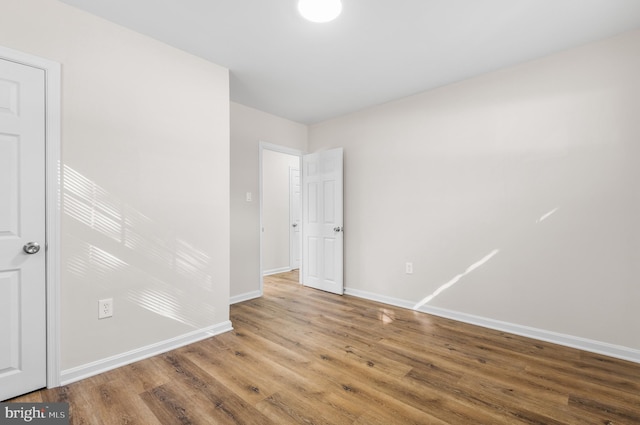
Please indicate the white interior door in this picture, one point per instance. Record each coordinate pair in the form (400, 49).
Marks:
(322, 227)
(22, 226)
(294, 218)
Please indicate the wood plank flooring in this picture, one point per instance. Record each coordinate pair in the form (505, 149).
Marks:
(302, 356)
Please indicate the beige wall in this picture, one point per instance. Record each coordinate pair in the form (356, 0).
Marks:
(145, 184)
(516, 195)
(248, 128)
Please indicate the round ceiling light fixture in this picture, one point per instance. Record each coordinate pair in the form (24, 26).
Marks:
(320, 10)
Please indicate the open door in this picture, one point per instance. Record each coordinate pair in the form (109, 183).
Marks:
(23, 350)
(322, 226)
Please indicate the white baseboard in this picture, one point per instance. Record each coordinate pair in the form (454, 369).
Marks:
(378, 298)
(90, 369)
(245, 297)
(276, 271)
(599, 347)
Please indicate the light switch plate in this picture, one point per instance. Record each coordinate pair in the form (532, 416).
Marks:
(408, 268)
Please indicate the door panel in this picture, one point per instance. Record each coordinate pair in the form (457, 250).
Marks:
(8, 184)
(322, 231)
(329, 251)
(312, 202)
(10, 330)
(8, 97)
(22, 220)
(329, 202)
(311, 271)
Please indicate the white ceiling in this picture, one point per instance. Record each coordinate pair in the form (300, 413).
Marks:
(376, 51)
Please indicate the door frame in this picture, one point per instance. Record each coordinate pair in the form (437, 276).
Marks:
(276, 148)
(52, 72)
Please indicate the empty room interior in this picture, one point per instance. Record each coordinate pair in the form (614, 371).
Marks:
(413, 211)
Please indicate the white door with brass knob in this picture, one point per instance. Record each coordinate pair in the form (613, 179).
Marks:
(22, 230)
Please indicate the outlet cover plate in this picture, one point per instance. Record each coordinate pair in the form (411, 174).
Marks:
(105, 308)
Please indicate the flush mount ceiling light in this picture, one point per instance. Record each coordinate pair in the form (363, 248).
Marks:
(320, 10)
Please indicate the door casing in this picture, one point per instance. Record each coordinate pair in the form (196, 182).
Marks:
(52, 71)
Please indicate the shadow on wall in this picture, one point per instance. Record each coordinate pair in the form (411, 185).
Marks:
(129, 253)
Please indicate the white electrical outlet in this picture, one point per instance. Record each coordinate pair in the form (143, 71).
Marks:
(408, 268)
(105, 308)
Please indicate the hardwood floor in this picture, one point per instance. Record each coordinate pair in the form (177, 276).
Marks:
(302, 356)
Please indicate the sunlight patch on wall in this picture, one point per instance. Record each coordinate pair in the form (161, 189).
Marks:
(166, 301)
(456, 279)
(95, 260)
(547, 215)
(91, 205)
(127, 251)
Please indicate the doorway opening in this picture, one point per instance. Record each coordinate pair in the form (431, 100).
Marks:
(280, 207)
